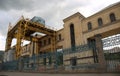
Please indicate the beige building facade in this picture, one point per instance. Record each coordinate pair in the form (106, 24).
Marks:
(79, 30)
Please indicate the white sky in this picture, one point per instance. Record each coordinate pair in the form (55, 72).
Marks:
(53, 11)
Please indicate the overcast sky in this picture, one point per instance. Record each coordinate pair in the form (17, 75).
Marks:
(53, 11)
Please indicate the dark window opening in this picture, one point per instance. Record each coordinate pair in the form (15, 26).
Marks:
(44, 42)
(49, 41)
(92, 44)
(33, 48)
(74, 61)
(89, 26)
(112, 17)
(40, 53)
(59, 37)
(40, 43)
(50, 60)
(44, 59)
(100, 22)
(72, 36)
(32, 65)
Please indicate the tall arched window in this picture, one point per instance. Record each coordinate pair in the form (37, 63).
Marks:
(112, 17)
(89, 26)
(100, 22)
(72, 35)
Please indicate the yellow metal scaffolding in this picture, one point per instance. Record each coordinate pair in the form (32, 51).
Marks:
(23, 30)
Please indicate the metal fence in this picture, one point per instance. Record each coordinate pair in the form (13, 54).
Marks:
(55, 61)
(112, 53)
(113, 60)
(0, 66)
(10, 66)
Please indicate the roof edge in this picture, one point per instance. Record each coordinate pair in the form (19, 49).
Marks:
(72, 16)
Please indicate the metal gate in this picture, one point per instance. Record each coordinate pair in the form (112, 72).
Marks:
(43, 62)
(111, 46)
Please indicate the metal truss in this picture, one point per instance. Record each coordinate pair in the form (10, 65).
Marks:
(23, 30)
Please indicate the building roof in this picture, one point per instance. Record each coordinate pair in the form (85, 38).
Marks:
(79, 14)
(72, 16)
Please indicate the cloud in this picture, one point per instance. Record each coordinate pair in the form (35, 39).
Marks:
(16, 4)
(53, 11)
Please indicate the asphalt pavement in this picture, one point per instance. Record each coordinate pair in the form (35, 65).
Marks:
(48, 74)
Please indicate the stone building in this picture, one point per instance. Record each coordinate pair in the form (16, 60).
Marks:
(79, 30)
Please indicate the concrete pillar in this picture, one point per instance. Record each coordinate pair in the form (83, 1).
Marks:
(99, 49)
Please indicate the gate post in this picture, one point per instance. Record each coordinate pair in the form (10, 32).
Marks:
(100, 53)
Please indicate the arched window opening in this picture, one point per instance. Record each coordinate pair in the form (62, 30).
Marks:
(72, 35)
(100, 22)
(89, 25)
(112, 17)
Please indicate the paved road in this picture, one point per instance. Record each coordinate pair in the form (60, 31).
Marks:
(38, 74)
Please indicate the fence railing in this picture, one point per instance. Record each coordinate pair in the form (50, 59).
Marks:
(53, 61)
